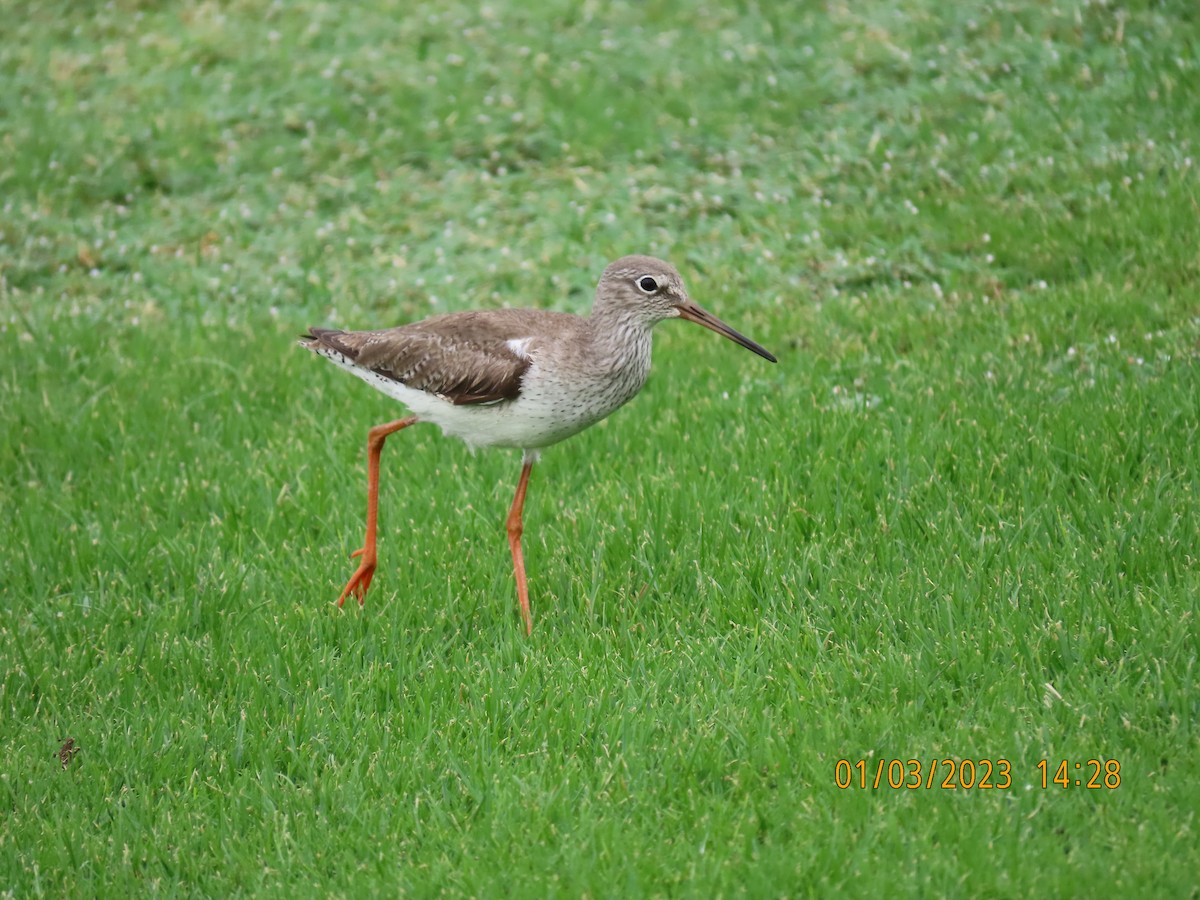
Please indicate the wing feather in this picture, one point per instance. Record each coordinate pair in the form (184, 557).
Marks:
(467, 358)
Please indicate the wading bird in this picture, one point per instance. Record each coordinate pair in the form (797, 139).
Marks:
(520, 378)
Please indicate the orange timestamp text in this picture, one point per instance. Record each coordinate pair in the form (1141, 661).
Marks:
(970, 774)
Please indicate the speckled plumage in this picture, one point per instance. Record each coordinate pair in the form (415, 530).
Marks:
(512, 378)
(519, 377)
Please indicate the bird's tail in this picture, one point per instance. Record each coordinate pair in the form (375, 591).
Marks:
(316, 338)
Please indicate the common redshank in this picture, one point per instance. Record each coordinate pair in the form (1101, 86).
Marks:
(519, 378)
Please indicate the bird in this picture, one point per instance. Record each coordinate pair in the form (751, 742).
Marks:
(523, 379)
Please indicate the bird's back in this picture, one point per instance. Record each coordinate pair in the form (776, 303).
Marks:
(464, 358)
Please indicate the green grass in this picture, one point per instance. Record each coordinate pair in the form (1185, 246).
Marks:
(958, 520)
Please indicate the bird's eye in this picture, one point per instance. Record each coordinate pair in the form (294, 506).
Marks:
(647, 285)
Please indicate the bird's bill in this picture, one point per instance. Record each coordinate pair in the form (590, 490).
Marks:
(693, 312)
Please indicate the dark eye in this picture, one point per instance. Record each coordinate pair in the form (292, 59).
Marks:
(647, 284)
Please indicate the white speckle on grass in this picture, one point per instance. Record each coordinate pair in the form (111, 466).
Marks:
(846, 400)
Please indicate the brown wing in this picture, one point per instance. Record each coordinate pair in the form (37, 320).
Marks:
(464, 357)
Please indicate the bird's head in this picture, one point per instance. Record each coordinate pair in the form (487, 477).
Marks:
(651, 290)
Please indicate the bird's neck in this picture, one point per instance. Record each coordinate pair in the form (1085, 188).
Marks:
(620, 333)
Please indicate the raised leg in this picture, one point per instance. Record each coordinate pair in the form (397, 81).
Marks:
(514, 527)
(361, 579)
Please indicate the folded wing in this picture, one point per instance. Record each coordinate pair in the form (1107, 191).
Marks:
(466, 358)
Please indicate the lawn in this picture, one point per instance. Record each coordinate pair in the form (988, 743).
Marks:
(957, 522)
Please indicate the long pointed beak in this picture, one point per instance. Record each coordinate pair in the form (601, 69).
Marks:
(693, 312)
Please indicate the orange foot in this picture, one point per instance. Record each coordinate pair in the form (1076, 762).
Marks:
(361, 579)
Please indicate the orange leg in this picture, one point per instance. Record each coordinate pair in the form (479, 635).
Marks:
(514, 544)
(361, 579)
